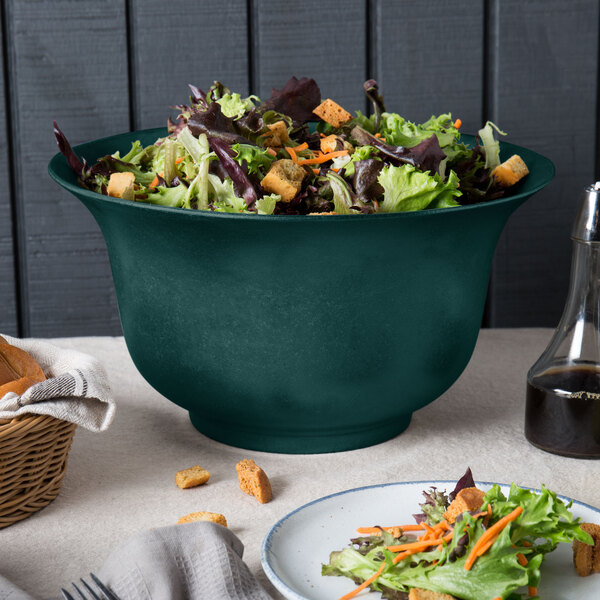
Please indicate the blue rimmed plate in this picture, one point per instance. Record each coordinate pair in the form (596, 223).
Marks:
(297, 545)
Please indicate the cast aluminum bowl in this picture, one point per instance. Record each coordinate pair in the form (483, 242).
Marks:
(299, 334)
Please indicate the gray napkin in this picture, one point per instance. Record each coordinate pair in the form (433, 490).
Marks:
(77, 391)
(192, 561)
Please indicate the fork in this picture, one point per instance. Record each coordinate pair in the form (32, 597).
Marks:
(106, 594)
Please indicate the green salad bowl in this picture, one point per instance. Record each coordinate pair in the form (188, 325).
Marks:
(299, 334)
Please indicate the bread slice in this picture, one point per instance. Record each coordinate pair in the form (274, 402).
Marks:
(18, 369)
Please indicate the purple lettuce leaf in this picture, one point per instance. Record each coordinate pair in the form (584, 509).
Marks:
(426, 155)
(297, 99)
(436, 503)
(465, 481)
(78, 165)
(241, 184)
(365, 177)
(198, 96)
(215, 124)
(429, 154)
(372, 92)
(396, 155)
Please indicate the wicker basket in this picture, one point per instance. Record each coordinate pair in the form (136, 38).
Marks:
(33, 461)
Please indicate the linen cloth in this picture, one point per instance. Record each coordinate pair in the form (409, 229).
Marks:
(193, 561)
(77, 388)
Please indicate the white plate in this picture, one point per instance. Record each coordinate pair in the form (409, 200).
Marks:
(297, 545)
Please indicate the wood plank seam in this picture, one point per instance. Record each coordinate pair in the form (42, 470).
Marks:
(15, 176)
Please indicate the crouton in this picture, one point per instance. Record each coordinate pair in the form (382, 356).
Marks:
(120, 185)
(330, 144)
(284, 178)
(586, 558)
(191, 477)
(421, 594)
(277, 136)
(253, 480)
(467, 499)
(333, 143)
(204, 516)
(510, 171)
(332, 113)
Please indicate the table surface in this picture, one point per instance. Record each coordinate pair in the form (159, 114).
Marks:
(121, 481)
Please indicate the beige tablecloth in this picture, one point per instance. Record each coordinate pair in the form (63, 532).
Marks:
(122, 481)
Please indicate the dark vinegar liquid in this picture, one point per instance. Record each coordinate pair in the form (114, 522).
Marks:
(563, 412)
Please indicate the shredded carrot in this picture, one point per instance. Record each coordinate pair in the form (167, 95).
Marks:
(301, 147)
(525, 543)
(533, 591)
(321, 158)
(378, 135)
(154, 183)
(179, 160)
(490, 535)
(322, 135)
(522, 560)
(292, 153)
(418, 546)
(316, 171)
(364, 584)
(271, 152)
(395, 530)
(431, 532)
(457, 123)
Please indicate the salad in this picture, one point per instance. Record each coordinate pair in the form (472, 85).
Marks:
(227, 153)
(469, 544)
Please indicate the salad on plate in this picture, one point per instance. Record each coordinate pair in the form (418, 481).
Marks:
(468, 544)
(296, 154)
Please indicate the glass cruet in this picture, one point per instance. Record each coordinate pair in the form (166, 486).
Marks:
(562, 412)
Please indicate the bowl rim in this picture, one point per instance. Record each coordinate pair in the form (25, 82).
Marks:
(77, 190)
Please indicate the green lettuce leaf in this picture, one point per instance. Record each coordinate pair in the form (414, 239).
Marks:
(257, 159)
(234, 106)
(168, 196)
(407, 189)
(266, 204)
(224, 196)
(491, 146)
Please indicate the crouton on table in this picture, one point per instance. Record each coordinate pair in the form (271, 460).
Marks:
(191, 477)
(204, 516)
(253, 480)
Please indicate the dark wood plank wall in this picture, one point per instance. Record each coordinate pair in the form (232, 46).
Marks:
(105, 66)
(8, 286)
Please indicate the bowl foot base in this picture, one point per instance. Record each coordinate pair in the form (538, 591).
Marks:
(298, 442)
